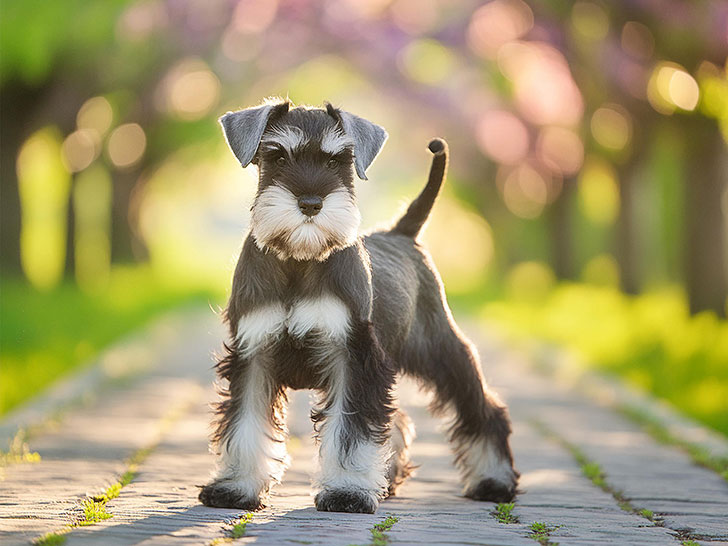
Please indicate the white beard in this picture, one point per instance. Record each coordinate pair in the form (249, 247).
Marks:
(278, 223)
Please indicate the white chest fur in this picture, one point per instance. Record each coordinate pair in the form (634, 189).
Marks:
(327, 316)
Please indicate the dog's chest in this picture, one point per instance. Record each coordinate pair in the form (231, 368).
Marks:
(323, 318)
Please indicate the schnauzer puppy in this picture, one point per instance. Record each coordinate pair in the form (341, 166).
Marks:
(316, 306)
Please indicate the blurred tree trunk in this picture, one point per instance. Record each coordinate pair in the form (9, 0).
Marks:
(626, 248)
(705, 269)
(70, 266)
(126, 245)
(16, 110)
(559, 219)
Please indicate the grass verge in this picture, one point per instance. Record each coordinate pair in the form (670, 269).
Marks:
(45, 335)
(651, 341)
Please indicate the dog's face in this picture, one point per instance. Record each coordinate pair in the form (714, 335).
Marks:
(305, 207)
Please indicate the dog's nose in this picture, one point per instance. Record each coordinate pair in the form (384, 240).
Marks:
(310, 205)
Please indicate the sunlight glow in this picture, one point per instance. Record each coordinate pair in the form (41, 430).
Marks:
(80, 148)
(497, 23)
(611, 126)
(126, 145)
(96, 114)
(502, 137)
(43, 184)
(561, 150)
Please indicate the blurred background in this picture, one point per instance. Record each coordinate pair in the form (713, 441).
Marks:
(586, 203)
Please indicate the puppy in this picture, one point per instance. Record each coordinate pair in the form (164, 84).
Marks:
(316, 306)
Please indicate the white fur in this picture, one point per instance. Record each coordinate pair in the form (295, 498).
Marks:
(480, 461)
(257, 328)
(290, 138)
(254, 457)
(326, 315)
(276, 214)
(365, 466)
(335, 141)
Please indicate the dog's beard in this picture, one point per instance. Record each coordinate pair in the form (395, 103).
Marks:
(279, 225)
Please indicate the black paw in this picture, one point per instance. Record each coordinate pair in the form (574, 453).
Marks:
(341, 500)
(224, 494)
(493, 491)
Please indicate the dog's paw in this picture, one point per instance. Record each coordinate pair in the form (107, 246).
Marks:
(492, 490)
(226, 494)
(343, 500)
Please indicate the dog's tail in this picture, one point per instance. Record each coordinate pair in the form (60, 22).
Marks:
(411, 223)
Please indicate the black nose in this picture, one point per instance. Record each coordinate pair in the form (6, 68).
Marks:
(310, 205)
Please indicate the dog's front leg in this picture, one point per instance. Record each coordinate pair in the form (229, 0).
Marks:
(354, 417)
(251, 431)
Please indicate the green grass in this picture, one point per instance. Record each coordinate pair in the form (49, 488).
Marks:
(51, 539)
(45, 335)
(504, 513)
(541, 533)
(237, 530)
(651, 341)
(93, 512)
(379, 531)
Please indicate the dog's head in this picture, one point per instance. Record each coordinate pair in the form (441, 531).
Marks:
(305, 207)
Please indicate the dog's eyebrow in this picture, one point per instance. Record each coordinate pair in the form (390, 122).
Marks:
(334, 141)
(290, 138)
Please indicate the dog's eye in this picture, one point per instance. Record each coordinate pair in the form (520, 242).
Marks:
(332, 164)
(281, 160)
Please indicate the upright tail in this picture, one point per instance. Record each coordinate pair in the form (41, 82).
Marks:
(411, 223)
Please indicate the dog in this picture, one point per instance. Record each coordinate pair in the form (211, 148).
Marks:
(314, 305)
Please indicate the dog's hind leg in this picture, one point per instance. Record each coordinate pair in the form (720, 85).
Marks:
(480, 428)
(250, 436)
(401, 435)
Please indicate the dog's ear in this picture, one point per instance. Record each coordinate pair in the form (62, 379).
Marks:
(368, 138)
(243, 129)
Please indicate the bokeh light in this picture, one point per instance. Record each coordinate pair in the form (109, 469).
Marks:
(126, 145)
(545, 92)
(96, 114)
(502, 137)
(611, 126)
(525, 190)
(590, 20)
(92, 194)
(43, 183)
(426, 61)
(671, 87)
(80, 148)
(560, 149)
(599, 192)
(497, 23)
(189, 90)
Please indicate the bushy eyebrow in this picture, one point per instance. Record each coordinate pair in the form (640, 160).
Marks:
(288, 138)
(335, 141)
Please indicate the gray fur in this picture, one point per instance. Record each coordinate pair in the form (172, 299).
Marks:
(368, 140)
(243, 130)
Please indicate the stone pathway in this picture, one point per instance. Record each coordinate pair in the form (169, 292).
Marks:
(159, 416)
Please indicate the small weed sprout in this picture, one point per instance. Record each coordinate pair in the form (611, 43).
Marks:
(504, 513)
(541, 533)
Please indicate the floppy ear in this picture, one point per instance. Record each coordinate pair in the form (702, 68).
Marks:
(243, 129)
(368, 140)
